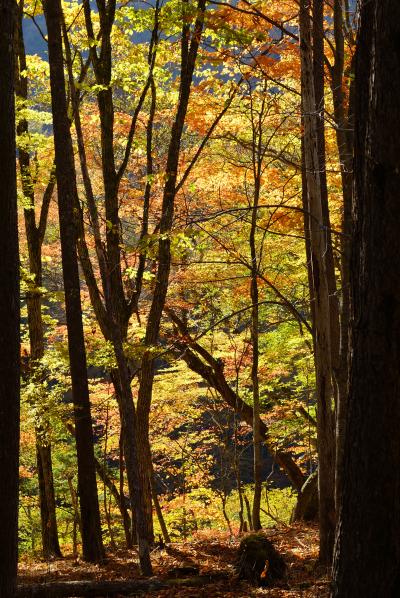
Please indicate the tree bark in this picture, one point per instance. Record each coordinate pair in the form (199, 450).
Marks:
(319, 244)
(344, 138)
(66, 185)
(367, 553)
(9, 311)
(257, 163)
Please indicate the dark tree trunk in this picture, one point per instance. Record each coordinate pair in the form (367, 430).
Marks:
(34, 237)
(67, 193)
(50, 543)
(344, 138)
(9, 311)
(257, 159)
(367, 555)
(319, 240)
(114, 314)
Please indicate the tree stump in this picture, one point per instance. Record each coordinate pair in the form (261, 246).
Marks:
(259, 562)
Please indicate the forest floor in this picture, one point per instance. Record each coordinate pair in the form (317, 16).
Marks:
(213, 553)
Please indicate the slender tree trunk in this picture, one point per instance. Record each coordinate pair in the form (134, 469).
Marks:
(50, 543)
(119, 498)
(257, 465)
(9, 311)
(77, 522)
(66, 183)
(129, 522)
(322, 326)
(189, 55)
(367, 554)
(329, 266)
(160, 516)
(344, 139)
(130, 438)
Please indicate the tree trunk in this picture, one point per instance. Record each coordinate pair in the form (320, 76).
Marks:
(319, 242)
(129, 434)
(9, 311)
(146, 376)
(66, 183)
(34, 236)
(50, 543)
(257, 463)
(160, 516)
(344, 139)
(367, 554)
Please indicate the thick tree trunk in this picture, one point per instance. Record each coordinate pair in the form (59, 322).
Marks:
(319, 242)
(367, 555)
(67, 192)
(9, 311)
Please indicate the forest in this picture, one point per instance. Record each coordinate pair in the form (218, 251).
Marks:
(199, 298)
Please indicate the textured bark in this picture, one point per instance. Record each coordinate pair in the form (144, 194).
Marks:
(319, 243)
(9, 311)
(130, 440)
(367, 554)
(66, 185)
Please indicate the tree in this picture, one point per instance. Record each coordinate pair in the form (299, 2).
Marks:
(9, 310)
(189, 49)
(67, 198)
(315, 205)
(35, 229)
(369, 524)
(116, 297)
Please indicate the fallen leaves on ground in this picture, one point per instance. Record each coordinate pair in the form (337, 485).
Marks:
(212, 553)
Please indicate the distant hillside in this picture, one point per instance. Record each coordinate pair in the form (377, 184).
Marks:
(34, 42)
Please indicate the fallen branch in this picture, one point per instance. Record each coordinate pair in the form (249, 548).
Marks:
(83, 589)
